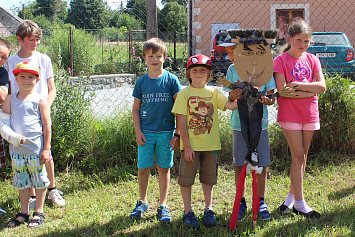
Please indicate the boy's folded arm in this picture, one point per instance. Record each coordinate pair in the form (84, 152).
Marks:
(6, 131)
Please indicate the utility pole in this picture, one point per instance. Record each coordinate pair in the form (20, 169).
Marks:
(152, 24)
(23, 11)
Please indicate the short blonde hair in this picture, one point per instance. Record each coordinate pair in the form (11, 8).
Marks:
(156, 45)
(28, 28)
(188, 76)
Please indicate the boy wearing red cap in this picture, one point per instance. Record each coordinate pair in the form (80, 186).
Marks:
(30, 117)
(196, 108)
(29, 35)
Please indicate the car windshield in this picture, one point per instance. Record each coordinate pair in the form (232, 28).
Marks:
(331, 39)
(220, 38)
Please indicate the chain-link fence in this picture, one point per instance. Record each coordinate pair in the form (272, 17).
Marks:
(117, 49)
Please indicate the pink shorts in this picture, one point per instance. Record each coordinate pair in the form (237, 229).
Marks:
(300, 126)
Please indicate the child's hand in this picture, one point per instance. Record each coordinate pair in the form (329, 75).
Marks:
(44, 156)
(175, 143)
(140, 138)
(189, 154)
(235, 94)
(266, 100)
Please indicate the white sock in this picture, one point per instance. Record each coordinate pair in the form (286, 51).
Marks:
(302, 206)
(290, 199)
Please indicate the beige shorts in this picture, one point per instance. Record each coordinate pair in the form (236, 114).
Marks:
(206, 161)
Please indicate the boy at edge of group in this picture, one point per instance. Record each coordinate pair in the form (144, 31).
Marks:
(5, 50)
(196, 108)
(29, 35)
(240, 148)
(30, 117)
(154, 95)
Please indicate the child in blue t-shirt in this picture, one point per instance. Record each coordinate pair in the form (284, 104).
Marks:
(154, 95)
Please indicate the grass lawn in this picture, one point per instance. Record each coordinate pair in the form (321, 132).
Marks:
(99, 205)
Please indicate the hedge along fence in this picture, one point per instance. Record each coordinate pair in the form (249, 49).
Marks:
(89, 143)
(81, 140)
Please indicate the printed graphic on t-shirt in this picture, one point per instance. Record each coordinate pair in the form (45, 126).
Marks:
(201, 111)
(155, 97)
(301, 72)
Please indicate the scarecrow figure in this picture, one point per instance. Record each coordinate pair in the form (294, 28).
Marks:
(254, 65)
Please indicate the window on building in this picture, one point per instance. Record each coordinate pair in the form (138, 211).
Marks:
(285, 17)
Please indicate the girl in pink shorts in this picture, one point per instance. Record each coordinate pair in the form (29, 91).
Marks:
(298, 116)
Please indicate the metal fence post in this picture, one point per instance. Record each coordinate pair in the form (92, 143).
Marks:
(71, 50)
(175, 63)
(130, 45)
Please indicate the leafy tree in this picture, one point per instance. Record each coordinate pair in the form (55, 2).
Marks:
(139, 10)
(51, 9)
(181, 2)
(29, 9)
(173, 17)
(126, 20)
(88, 14)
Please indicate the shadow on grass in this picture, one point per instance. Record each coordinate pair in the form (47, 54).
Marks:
(340, 218)
(341, 193)
(4, 218)
(122, 225)
(125, 226)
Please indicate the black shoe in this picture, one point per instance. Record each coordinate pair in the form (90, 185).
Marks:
(312, 214)
(284, 210)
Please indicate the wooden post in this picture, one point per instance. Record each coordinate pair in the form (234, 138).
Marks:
(152, 24)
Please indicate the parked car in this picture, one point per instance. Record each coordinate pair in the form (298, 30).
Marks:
(334, 51)
(219, 57)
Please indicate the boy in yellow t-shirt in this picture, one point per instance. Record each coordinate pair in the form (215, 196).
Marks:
(197, 118)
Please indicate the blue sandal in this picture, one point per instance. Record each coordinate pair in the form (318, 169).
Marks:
(39, 221)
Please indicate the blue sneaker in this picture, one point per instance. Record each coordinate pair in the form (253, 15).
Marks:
(263, 211)
(209, 218)
(139, 210)
(2, 211)
(163, 214)
(242, 210)
(191, 220)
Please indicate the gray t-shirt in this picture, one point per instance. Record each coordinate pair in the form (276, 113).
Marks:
(26, 120)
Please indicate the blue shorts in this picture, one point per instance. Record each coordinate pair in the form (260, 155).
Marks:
(158, 144)
(240, 149)
(28, 172)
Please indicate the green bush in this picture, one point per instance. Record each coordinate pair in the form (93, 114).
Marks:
(337, 117)
(225, 156)
(114, 143)
(72, 128)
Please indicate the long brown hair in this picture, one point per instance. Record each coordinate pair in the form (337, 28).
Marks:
(296, 28)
